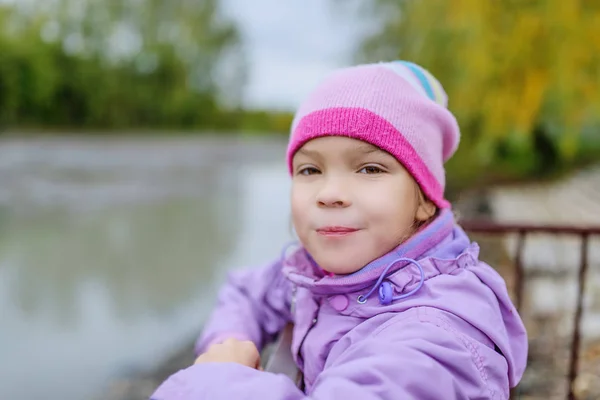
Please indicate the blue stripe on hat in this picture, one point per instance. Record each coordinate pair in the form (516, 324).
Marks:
(421, 76)
(406, 73)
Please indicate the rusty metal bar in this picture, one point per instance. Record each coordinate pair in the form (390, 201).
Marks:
(519, 270)
(576, 339)
(485, 226)
(281, 360)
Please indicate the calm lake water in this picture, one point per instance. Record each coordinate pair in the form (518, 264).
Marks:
(111, 250)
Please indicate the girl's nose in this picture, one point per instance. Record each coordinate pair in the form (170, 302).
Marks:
(333, 195)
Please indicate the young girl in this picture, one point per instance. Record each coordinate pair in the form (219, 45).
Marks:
(387, 294)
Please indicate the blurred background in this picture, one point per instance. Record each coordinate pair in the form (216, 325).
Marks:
(141, 158)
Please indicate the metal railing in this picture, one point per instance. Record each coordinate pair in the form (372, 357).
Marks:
(522, 230)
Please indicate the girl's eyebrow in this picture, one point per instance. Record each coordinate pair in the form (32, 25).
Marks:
(309, 153)
(366, 148)
(362, 150)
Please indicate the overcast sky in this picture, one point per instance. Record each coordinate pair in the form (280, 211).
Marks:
(291, 45)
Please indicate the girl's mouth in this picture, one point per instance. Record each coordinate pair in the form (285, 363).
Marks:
(336, 231)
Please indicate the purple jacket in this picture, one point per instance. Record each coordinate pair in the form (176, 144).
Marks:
(451, 331)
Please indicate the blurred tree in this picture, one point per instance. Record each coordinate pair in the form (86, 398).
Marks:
(118, 64)
(522, 76)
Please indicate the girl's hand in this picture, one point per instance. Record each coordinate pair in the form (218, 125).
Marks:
(232, 350)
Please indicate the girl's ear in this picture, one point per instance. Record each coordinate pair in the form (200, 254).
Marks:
(426, 208)
(425, 211)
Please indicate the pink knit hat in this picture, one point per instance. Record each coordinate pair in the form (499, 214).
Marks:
(397, 106)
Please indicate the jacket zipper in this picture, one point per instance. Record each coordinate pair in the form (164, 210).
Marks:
(314, 322)
(293, 302)
(301, 384)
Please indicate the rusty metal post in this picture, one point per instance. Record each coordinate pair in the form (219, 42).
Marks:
(281, 360)
(519, 284)
(519, 269)
(575, 344)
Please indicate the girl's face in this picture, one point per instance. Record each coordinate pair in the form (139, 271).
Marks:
(352, 202)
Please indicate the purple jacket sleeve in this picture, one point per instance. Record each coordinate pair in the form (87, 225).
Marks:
(254, 304)
(413, 359)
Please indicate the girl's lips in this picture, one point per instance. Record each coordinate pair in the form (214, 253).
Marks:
(336, 231)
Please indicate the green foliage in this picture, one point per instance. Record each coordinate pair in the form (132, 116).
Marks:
(108, 64)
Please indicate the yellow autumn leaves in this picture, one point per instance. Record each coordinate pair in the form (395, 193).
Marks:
(509, 67)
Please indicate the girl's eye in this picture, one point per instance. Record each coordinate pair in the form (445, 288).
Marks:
(308, 171)
(371, 169)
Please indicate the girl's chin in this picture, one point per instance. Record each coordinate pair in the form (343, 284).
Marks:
(339, 268)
